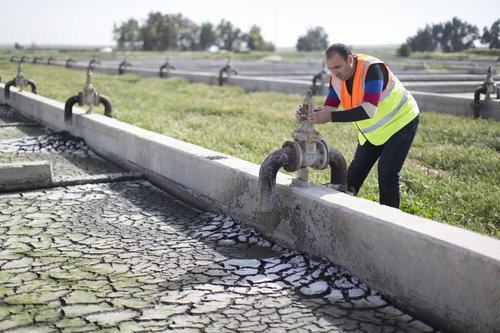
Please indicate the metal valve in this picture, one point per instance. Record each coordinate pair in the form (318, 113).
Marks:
(226, 72)
(165, 68)
(123, 66)
(322, 77)
(308, 148)
(19, 81)
(487, 88)
(89, 96)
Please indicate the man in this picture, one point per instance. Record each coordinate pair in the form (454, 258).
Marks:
(383, 111)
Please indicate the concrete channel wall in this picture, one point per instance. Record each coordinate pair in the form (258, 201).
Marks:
(445, 275)
(424, 93)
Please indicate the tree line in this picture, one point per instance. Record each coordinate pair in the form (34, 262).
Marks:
(161, 32)
(452, 36)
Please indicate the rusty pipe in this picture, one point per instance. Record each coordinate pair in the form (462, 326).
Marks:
(32, 84)
(338, 169)
(289, 157)
(316, 78)
(68, 108)
(161, 70)
(70, 102)
(267, 177)
(70, 62)
(164, 70)
(476, 104)
(6, 92)
(123, 65)
(93, 62)
(228, 70)
(108, 108)
(12, 82)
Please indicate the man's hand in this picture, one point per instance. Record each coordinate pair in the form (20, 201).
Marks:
(298, 112)
(322, 114)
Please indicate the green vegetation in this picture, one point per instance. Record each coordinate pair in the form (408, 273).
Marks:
(162, 32)
(452, 174)
(453, 36)
(316, 39)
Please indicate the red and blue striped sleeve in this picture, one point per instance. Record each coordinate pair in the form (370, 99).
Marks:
(332, 99)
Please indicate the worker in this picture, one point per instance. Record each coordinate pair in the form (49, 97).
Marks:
(384, 112)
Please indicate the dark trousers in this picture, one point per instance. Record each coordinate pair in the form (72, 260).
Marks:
(392, 156)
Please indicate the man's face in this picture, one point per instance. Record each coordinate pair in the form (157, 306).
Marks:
(340, 68)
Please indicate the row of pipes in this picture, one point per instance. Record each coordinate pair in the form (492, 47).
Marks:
(488, 87)
(318, 81)
(89, 96)
(225, 72)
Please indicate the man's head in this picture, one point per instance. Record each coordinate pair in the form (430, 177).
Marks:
(339, 60)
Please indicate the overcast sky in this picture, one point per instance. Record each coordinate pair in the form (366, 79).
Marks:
(361, 22)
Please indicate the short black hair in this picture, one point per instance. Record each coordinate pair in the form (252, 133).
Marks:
(339, 48)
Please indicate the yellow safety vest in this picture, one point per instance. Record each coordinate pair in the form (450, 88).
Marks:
(396, 107)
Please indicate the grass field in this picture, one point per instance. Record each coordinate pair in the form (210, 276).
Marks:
(452, 174)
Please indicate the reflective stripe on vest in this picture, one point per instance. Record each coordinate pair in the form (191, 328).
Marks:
(388, 117)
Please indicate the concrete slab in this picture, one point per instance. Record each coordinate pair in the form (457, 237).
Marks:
(14, 176)
(129, 257)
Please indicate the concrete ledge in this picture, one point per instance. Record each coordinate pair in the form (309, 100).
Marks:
(445, 275)
(17, 176)
(456, 105)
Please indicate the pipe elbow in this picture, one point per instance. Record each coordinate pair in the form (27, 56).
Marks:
(476, 104)
(477, 94)
(32, 84)
(68, 108)
(165, 68)
(338, 168)
(315, 78)
(122, 66)
(221, 79)
(267, 177)
(6, 92)
(108, 107)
